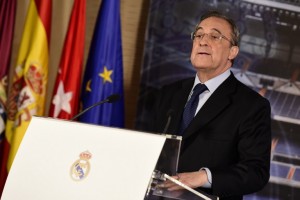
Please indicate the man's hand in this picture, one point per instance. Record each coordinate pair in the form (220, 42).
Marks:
(191, 179)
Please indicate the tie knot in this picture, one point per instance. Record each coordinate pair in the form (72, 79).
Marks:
(199, 88)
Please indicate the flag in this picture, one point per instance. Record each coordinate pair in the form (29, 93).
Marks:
(27, 95)
(65, 101)
(7, 20)
(104, 70)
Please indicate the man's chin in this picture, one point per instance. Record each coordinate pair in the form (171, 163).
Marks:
(204, 68)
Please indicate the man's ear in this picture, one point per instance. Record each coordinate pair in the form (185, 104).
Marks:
(234, 50)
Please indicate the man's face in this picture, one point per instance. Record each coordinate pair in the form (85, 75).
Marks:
(212, 53)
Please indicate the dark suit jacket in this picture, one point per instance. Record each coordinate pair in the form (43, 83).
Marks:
(230, 135)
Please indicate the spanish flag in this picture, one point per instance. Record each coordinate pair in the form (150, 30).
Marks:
(27, 95)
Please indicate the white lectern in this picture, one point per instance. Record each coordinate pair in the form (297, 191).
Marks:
(60, 159)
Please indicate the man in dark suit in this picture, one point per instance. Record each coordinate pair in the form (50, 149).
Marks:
(226, 146)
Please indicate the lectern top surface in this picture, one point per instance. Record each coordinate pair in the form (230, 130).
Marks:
(58, 159)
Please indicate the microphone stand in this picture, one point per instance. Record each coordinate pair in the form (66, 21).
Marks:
(88, 108)
(112, 98)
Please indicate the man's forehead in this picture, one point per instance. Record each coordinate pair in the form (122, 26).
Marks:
(217, 24)
(200, 29)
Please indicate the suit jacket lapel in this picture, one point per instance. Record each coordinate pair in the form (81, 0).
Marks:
(178, 103)
(217, 102)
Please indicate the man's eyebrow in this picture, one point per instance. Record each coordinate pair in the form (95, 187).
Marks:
(198, 27)
(217, 30)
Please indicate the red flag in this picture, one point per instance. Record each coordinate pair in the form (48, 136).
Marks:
(7, 20)
(65, 101)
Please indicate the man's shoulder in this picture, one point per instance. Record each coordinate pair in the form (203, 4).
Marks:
(250, 93)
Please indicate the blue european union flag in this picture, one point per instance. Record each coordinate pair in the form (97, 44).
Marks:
(104, 70)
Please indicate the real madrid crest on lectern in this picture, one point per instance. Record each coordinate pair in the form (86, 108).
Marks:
(81, 167)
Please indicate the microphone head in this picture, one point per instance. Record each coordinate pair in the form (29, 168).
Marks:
(170, 112)
(113, 98)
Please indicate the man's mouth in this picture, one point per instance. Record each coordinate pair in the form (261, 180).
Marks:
(203, 53)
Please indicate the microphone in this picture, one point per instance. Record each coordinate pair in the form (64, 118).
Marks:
(169, 114)
(110, 99)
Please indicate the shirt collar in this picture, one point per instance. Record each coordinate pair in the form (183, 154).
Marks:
(214, 83)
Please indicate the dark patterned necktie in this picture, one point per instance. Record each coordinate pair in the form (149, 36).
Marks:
(191, 106)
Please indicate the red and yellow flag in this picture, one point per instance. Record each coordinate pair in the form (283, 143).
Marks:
(27, 95)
